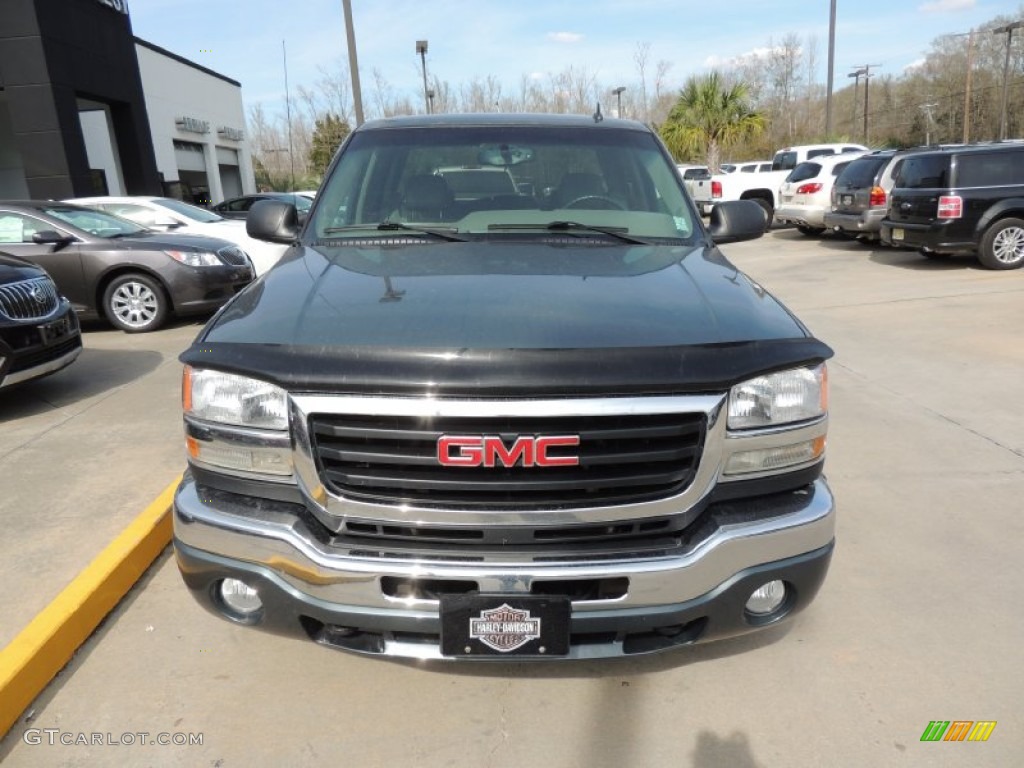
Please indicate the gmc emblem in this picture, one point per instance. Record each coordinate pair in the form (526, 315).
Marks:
(491, 451)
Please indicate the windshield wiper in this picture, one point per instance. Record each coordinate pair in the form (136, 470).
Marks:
(619, 233)
(388, 226)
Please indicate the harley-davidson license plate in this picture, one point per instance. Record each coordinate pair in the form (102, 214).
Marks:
(504, 625)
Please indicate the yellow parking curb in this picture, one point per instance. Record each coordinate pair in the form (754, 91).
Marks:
(41, 650)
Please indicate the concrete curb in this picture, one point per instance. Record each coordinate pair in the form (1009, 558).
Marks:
(32, 659)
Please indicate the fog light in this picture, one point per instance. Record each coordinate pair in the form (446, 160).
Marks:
(240, 597)
(766, 598)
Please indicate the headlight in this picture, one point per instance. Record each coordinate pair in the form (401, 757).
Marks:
(196, 258)
(780, 398)
(230, 399)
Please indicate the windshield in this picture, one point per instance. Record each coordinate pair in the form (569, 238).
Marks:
(95, 222)
(188, 211)
(504, 182)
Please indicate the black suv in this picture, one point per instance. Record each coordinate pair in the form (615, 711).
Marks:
(962, 200)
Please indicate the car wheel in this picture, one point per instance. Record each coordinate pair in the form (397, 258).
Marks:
(768, 208)
(135, 303)
(1002, 246)
(803, 229)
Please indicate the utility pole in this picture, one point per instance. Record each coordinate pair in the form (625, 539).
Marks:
(856, 75)
(1008, 31)
(353, 63)
(831, 69)
(967, 88)
(865, 70)
(927, 109)
(288, 116)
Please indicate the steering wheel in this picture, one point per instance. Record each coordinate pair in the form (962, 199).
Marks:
(609, 204)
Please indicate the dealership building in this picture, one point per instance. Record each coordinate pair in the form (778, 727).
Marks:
(87, 108)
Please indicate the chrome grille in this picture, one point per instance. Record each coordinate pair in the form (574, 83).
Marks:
(393, 460)
(29, 299)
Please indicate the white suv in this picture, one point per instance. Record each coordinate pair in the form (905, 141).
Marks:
(806, 194)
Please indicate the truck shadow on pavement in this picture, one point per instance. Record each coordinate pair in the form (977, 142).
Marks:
(94, 372)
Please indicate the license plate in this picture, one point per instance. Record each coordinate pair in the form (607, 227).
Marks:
(897, 234)
(474, 625)
(55, 330)
(846, 199)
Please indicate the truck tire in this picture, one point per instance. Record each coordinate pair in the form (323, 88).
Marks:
(1002, 246)
(135, 303)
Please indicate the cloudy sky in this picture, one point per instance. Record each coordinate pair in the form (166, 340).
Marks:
(242, 38)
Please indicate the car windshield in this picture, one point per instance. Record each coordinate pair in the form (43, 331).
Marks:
(95, 222)
(188, 211)
(507, 181)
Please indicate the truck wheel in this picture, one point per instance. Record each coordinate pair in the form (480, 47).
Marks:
(768, 208)
(803, 229)
(135, 303)
(1002, 246)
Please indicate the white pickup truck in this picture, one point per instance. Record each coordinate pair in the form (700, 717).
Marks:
(761, 186)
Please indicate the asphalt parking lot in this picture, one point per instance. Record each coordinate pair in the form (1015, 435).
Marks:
(916, 622)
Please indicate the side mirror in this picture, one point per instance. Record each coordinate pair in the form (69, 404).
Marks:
(737, 220)
(273, 220)
(167, 223)
(51, 237)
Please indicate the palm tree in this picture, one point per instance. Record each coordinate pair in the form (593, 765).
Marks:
(709, 117)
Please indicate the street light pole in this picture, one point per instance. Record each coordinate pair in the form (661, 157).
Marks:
(1008, 30)
(831, 69)
(618, 95)
(353, 62)
(421, 49)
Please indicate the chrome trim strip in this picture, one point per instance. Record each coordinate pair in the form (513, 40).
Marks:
(331, 509)
(42, 369)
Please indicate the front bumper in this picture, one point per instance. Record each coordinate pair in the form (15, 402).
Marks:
(30, 350)
(680, 590)
(197, 290)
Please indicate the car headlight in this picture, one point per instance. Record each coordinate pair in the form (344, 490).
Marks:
(237, 425)
(196, 258)
(230, 399)
(799, 394)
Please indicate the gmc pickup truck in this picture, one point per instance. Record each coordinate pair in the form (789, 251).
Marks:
(556, 423)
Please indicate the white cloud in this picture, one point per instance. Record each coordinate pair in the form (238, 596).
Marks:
(537, 75)
(915, 64)
(565, 37)
(753, 55)
(946, 6)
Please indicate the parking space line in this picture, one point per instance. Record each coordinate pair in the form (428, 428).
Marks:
(32, 659)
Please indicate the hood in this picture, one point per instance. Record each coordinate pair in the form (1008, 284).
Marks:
(505, 316)
(171, 241)
(506, 295)
(13, 269)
